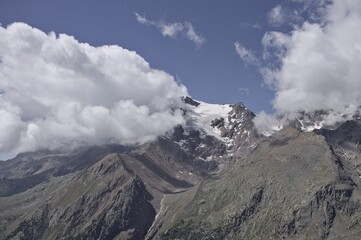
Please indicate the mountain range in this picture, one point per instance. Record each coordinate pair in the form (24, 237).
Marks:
(215, 177)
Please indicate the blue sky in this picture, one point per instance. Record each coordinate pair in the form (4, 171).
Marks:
(212, 72)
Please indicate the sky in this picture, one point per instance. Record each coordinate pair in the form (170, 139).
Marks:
(95, 72)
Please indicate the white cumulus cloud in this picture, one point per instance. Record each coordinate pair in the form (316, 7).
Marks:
(57, 92)
(320, 63)
(317, 65)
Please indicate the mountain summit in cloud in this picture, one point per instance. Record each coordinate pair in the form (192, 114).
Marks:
(315, 66)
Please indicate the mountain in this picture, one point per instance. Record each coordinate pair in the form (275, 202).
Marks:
(292, 186)
(215, 177)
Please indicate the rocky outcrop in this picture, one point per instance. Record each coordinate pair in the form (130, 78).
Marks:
(34, 227)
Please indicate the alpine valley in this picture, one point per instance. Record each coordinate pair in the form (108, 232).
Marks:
(216, 177)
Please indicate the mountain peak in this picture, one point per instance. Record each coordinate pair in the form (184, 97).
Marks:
(190, 101)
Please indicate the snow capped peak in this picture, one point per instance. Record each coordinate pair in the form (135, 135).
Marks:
(304, 121)
(203, 115)
(215, 133)
(230, 124)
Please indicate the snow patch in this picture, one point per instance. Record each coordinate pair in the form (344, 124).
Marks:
(209, 158)
(310, 128)
(201, 117)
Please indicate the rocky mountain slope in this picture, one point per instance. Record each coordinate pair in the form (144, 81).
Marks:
(215, 177)
(292, 186)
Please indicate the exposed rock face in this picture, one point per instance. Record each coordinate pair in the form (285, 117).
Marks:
(190, 101)
(241, 129)
(345, 142)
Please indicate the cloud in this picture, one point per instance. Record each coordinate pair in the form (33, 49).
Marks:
(246, 25)
(277, 16)
(310, 10)
(167, 29)
(274, 45)
(142, 20)
(247, 56)
(172, 30)
(268, 124)
(295, 12)
(57, 92)
(318, 62)
(193, 36)
(244, 91)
